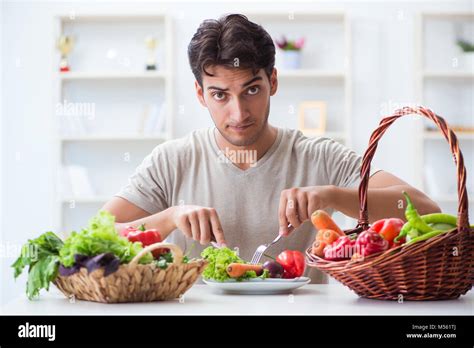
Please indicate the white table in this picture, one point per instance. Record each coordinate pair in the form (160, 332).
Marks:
(318, 299)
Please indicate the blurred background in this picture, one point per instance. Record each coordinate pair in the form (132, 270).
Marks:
(89, 89)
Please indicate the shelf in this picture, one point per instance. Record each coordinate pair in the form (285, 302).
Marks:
(123, 32)
(311, 73)
(160, 137)
(112, 75)
(449, 15)
(448, 74)
(435, 135)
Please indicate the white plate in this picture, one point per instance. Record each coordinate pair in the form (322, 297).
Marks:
(258, 286)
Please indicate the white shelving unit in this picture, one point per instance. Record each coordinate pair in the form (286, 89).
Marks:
(325, 74)
(108, 62)
(441, 78)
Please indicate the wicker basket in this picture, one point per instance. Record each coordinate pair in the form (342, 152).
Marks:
(134, 282)
(436, 269)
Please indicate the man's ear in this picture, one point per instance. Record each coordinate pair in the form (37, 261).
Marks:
(273, 82)
(199, 93)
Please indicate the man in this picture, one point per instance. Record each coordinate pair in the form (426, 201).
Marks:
(244, 181)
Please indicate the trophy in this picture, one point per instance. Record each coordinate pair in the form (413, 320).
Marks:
(64, 46)
(151, 43)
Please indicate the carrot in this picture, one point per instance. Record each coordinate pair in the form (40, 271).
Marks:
(322, 220)
(236, 270)
(327, 236)
(318, 248)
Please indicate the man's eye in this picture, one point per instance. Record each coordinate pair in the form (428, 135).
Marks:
(218, 96)
(253, 90)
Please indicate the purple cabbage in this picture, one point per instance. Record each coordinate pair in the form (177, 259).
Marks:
(108, 261)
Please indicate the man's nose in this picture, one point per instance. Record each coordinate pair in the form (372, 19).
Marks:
(239, 111)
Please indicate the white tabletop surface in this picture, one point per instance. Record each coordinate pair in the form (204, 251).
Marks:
(317, 299)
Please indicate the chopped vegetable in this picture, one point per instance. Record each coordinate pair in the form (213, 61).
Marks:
(293, 263)
(322, 221)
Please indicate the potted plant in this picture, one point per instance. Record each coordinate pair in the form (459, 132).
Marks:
(467, 50)
(291, 52)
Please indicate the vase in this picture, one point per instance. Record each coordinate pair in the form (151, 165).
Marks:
(292, 60)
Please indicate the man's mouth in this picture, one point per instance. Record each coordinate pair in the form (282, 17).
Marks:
(240, 128)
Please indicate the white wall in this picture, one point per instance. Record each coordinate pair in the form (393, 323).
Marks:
(1, 149)
(383, 67)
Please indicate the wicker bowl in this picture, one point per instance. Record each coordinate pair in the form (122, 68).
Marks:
(439, 268)
(134, 282)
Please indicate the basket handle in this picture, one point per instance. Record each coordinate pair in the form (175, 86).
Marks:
(463, 219)
(175, 250)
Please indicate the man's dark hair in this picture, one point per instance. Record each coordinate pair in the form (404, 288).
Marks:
(232, 41)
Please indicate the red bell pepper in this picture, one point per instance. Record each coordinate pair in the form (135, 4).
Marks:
(370, 242)
(144, 236)
(293, 263)
(389, 229)
(341, 249)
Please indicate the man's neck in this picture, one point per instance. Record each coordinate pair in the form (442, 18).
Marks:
(260, 147)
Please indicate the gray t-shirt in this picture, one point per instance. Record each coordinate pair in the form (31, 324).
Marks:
(193, 171)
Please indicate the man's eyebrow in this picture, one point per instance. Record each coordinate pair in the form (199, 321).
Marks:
(256, 78)
(218, 88)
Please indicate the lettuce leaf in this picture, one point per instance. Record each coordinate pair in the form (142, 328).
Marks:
(218, 260)
(99, 238)
(42, 257)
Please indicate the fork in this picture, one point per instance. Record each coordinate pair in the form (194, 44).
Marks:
(262, 248)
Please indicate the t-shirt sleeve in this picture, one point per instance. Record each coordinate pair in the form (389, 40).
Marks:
(146, 188)
(343, 165)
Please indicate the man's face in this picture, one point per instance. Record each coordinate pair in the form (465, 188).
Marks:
(238, 101)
